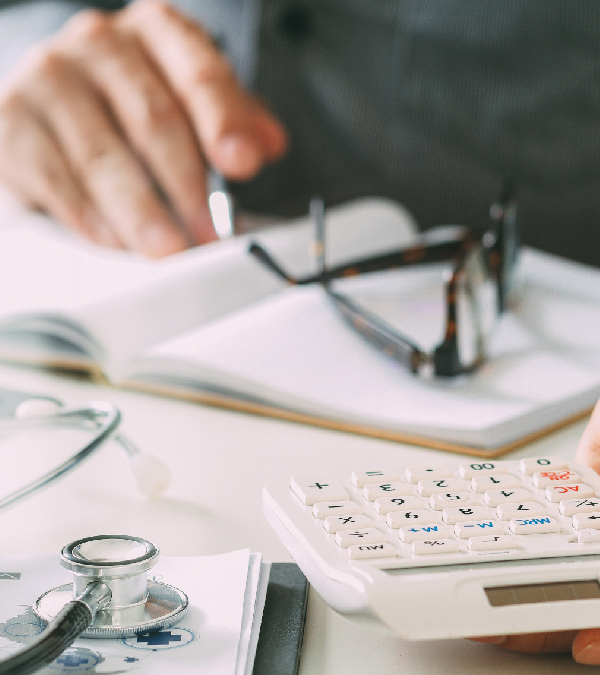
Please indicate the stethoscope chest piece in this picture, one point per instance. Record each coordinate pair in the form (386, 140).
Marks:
(129, 603)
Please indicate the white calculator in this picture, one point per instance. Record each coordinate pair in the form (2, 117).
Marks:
(444, 551)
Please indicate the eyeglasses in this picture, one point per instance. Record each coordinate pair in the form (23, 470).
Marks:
(476, 293)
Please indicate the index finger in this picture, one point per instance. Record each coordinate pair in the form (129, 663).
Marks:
(236, 133)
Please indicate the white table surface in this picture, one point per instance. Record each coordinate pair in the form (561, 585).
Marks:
(220, 460)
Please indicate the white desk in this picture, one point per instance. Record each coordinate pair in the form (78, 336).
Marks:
(220, 460)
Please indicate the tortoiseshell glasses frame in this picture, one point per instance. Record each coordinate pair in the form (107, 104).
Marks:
(476, 292)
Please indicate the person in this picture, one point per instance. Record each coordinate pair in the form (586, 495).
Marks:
(111, 123)
(99, 119)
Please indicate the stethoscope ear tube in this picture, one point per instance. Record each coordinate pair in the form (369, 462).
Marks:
(100, 416)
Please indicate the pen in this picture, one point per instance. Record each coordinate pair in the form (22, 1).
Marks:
(220, 204)
(317, 216)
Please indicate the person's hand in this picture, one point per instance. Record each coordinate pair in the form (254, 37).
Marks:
(110, 124)
(583, 644)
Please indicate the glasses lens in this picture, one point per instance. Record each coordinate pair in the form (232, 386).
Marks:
(476, 307)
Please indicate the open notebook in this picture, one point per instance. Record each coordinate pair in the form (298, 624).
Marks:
(212, 325)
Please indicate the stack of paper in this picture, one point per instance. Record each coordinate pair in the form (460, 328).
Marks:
(218, 634)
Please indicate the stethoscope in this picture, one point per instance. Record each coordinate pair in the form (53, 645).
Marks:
(110, 596)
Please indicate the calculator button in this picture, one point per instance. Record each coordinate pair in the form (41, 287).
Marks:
(372, 491)
(468, 471)
(542, 479)
(428, 487)
(396, 519)
(454, 515)
(333, 524)
(501, 541)
(384, 505)
(569, 507)
(384, 550)
(369, 535)
(521, 510)
(498, 482)
(360, 478)
(416, 473)
(440, 500)
(324, 509)
(557, 493)
(494, 497)
(432, 546)
(469, 528)
(412, 533)
(531, 465)
(311, 489)
(586, 521)
(541, 525)
(589, 536)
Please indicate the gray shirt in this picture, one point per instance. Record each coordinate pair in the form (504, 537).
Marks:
(430, 103)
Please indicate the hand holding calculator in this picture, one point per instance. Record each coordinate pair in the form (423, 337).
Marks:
(443, 551)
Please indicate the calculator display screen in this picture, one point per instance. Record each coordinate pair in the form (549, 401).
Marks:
(500, 596)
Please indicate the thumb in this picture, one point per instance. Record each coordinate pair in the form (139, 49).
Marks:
(586, 646)
(588, 449)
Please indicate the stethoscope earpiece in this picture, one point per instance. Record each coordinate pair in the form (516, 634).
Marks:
(37, 407)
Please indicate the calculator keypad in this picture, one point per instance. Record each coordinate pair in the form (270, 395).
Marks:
(471, 512)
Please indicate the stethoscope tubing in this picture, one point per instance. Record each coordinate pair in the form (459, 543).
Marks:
(101, 416)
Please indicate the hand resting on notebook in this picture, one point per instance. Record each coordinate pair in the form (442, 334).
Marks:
(117, 109)
(584, 644)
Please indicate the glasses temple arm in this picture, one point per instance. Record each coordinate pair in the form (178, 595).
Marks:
(414, 255)
(379, 333)
(270, 263)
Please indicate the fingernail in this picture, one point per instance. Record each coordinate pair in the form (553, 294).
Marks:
(589, 655)
(160, 239)
(239, 155)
